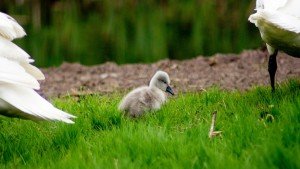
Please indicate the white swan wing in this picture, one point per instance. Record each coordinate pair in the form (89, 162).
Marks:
(34, 71)
(13, 52)
(270, 4)
(292, 8)
(9, 27)
(32, 104)
(282, 20)
(12, 73)
(289, 7)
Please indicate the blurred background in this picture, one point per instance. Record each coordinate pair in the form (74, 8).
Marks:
(131, 31)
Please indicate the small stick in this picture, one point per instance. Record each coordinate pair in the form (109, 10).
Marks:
(212, 133)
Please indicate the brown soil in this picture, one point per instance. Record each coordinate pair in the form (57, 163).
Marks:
(230, 71)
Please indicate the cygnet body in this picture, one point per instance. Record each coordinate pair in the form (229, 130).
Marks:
(147, 98)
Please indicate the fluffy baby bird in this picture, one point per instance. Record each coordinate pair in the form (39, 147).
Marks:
(147, 98)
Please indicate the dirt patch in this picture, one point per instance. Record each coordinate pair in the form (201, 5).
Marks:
(230, 71)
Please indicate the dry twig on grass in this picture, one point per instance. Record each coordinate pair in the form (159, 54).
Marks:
(212, 133)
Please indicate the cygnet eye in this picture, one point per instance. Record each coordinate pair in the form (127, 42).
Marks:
(164, 81)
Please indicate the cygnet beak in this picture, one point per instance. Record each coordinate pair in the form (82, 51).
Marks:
(169, 90)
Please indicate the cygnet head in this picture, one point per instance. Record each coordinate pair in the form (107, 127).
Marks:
(161, 81)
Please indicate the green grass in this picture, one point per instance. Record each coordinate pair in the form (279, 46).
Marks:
(174, 137)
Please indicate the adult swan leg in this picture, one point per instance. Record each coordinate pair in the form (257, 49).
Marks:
(272, 67)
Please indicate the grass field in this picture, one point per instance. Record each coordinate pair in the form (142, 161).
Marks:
(260, 130)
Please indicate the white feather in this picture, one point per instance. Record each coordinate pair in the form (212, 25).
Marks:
(284, 14)
(31, 104)
(9, 28)
(18, 78)
(278, 19)
(14, 53)
(279, 24)
(291, 7)
(11, 72)
(32, 70)
(270, 4)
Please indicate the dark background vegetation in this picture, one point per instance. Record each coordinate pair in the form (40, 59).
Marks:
(130, 31)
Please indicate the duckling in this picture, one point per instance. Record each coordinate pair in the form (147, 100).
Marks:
(279, 24)
(147, 98)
